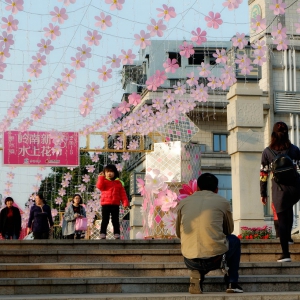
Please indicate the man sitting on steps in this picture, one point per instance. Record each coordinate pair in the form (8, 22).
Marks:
(204, 224)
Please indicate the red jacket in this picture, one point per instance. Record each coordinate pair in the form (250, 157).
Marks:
(112, 191)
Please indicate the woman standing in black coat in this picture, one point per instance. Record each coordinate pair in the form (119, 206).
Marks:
(40, 219)
(10, 220)
(283, 196)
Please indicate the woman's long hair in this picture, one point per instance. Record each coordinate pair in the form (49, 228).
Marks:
(280, 137)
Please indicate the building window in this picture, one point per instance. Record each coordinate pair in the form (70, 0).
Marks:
(220, 143)
(201, 56)
(225, 186)
(176, 56)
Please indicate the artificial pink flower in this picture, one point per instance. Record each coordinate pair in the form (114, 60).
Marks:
(239, 40)
(67, 2)
(85, 108)
(25, 89)
(68, 75)
(93, 38)
(13, 112)
(157, 28)
(166, 199)
(58, 200)
(114, 61)
(52, 31)
(85, 52)
(186, 49)
(105, 74)
(61, 85)
(7, 39)
(87, 98)
(213, 20)
(34, 70)
(10, 24)
(279, 32)
(170, 65)
(4, 52)
(188, 189)
(258, 23)
(45, 46)
(77, 61)
(160, 76)
(278, 7)
(213, 82)
(179, 88)
(199, 36)
(243, 60)
(133, 145)
(115, 113)
(113, 157)
(93, 89)
(103, 21)
(15, 5)
(232, 4)
(220, 56)
(222, 83)
(166, 12)
(115, 4)
(169, 220)
(142, 39)
(259, 46)
(124, 107)
(282, 44)
(126, 156)
(259, 59)
(2, 66)
(39, 60)
(82, 188)
(152, 83)
(127, 58)
(246, 69)
(86, 178)
(37, 113)
(204, 70)
(59, 15)
(134, 99)
(193, 80)
(168, 96)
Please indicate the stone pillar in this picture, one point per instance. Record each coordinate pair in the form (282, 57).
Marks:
(245, 145)
(136, 221)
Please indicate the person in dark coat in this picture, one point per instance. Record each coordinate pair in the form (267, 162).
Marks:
(10, 220)
(283, 196)
(40, 219)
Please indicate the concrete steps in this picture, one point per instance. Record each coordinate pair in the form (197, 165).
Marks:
(87, 270)
(152, 266)
(162, 296)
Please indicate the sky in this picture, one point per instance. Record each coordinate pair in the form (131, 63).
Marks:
(64, 115)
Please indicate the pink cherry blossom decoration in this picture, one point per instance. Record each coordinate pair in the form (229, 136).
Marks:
(278, 7)
(105, 73)
(10, 24)
(156, 28)
(199, 36)
(45, 46)
(52, 31)
(14, 5)
(186, 49)
(115, 4)
(127, 57)
(239, 40)
(59, 15)
(166, 12)
(142, 39)
(213, 20)
(170, 65)
(103, 21)
(93, 37)
(134, 99)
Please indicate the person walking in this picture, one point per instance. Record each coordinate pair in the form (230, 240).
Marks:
(112, 193)
(40, 219)
(10, 220)
(204, 225)
(73, 211)
(284, 196)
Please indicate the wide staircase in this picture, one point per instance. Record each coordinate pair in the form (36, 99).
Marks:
(136, 269)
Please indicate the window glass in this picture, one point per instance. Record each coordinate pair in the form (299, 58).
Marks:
(220, 142)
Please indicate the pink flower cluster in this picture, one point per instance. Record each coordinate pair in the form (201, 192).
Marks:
(259, 52)
(88, 98)
(244, 63)
(280, 37)
(156, 80)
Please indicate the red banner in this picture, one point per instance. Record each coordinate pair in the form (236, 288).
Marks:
(35, 148)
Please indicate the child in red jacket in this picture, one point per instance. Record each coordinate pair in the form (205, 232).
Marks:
(112, 192)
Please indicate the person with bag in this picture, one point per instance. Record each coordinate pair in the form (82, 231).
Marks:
(204, 225)
(10, 220)
(277, 159)
(40, 219)
(74, 217)
(112, 193)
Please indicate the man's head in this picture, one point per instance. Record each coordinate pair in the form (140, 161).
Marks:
(208, 182)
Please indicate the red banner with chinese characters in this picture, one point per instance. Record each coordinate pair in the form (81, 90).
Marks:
(34, 148)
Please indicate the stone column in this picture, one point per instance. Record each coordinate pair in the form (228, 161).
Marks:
(245, 145)
(136, 220)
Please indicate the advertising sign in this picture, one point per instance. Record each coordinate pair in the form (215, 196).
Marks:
(34, 148)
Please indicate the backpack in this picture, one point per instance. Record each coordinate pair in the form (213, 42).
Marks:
(283, 169)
